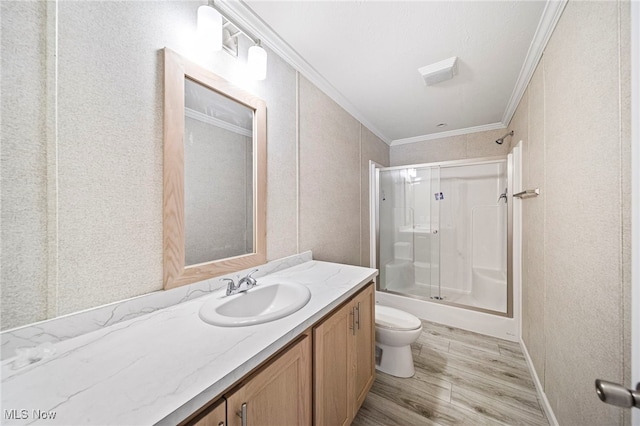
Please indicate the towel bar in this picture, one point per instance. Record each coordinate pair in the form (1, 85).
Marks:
(528, 193)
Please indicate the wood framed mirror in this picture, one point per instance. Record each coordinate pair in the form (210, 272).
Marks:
(214, 180)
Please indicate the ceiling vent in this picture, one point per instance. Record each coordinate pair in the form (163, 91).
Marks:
(440, 71)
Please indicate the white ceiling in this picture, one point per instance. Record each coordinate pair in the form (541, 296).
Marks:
(369, 53)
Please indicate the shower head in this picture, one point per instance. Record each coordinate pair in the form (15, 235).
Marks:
(499, 141)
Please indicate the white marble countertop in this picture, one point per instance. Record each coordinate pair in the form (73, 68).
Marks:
(163, 366)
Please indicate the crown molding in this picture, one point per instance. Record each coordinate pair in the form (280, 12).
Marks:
(550, 16)
(244, 15)
(449, 133)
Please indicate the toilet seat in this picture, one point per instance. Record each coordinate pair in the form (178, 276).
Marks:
(395, 319)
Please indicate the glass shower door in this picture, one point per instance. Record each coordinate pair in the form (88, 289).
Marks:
(396, 246)
(408, 231)
(443, 232)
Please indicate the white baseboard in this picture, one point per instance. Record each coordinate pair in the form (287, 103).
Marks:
(543, 397)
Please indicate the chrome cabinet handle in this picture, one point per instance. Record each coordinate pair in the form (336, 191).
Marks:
(243, 414)
(352, 327)
(358, 311)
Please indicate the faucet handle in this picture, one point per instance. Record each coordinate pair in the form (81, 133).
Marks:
(231, 285)
(251, 282)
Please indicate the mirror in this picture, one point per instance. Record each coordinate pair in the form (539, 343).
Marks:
(214, 175)
(218, 176)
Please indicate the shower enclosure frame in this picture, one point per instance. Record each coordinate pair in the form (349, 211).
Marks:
(374, 178)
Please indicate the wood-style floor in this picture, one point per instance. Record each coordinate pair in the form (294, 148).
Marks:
(462, 378)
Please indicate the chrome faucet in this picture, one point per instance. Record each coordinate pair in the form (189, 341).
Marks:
(233, 288)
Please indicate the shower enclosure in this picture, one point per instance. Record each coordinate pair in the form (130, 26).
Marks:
(442, 233)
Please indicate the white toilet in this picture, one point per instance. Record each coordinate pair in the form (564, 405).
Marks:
(396, 330)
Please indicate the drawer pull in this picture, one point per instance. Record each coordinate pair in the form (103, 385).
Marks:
(243, 414)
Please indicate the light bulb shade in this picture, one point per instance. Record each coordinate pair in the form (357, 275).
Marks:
(257, 62)
(210, 28)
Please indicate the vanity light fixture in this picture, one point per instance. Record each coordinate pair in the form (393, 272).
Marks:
(211, 28)
(257, 62)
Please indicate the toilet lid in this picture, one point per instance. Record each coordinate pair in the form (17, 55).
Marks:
(395, 319)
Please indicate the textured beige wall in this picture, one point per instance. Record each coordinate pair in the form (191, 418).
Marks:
(576, 253)
(329, 160)
(533, 218)
(335, 150)
(105, 181)
(624, 20)
(279, 90)
(473, 145)
(109, 158)
(23, 163)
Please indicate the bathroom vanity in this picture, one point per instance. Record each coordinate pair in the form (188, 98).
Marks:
(325, 374)
(168, 366)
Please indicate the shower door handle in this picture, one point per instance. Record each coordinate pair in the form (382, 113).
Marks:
(618, 395)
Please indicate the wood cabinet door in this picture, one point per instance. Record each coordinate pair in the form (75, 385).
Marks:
(364, 345)
(279, 394)
(216, 417)
(333, 368)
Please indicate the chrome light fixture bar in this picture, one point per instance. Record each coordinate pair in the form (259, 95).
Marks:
(212, 34)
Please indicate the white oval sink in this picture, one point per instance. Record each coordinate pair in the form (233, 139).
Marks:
(261, 304)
